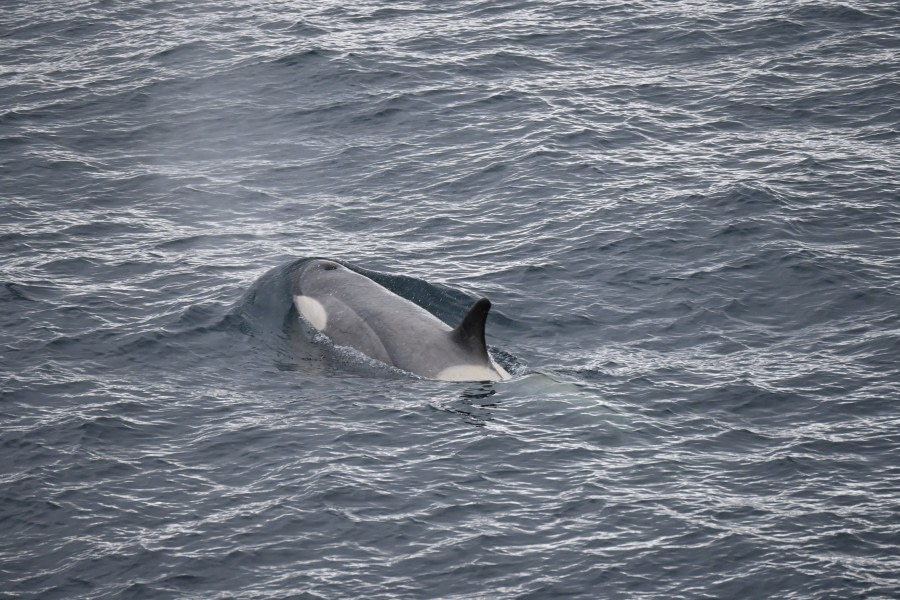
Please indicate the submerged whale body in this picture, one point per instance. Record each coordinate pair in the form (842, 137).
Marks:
(355, 311)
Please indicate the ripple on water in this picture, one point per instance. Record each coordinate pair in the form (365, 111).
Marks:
(683, 216)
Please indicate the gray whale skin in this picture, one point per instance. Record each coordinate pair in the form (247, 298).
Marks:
(355, 311)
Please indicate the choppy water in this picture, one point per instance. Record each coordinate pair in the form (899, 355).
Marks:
(685, 214)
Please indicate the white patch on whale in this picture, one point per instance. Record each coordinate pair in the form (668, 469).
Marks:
(504, 374)
(470, 373)
(313, 311)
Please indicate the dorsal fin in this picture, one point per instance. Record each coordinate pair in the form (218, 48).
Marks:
(470, 333)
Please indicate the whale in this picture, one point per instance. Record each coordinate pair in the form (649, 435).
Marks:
(353, 310)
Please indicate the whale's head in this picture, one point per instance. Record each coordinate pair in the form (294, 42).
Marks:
(313, 280)
(318, 274)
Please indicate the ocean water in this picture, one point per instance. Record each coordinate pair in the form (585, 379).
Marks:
(686, 215)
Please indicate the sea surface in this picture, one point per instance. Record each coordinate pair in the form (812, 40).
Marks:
(686, 215)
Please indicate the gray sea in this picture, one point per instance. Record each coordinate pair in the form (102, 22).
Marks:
(686, 215)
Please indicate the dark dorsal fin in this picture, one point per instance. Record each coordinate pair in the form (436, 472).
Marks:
(470, 333)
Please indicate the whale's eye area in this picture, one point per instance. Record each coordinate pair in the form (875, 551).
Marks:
(328, 266)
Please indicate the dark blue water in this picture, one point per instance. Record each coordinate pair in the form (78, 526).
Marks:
(687, 216)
